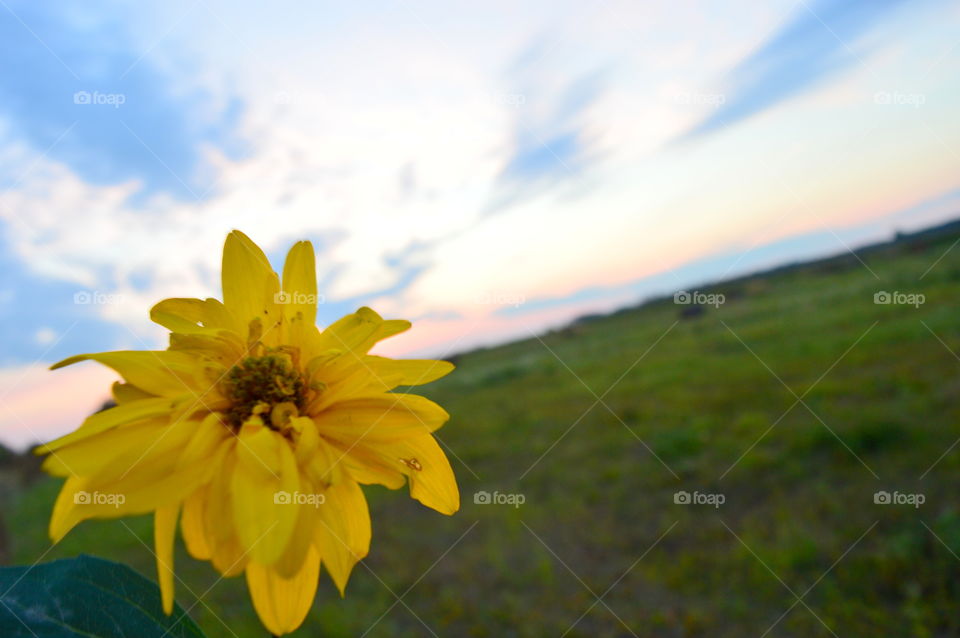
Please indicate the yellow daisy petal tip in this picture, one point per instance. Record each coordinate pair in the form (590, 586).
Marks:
(55, 535)
(164, 530)
(59, 528)
(449, 510)
(69, 361)
(241, 238)
(444, 368)
(40, 450)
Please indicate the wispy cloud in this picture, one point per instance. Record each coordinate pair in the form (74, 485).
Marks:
(78, 88)
(821, 40)
(550, 140)
(392, 154)
(48, 319)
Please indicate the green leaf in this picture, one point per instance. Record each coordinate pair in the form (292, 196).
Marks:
(85, 596)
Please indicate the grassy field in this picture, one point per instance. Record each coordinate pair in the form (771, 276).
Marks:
(796, 400)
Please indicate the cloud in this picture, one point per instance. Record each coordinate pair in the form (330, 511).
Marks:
(536, 158)
(37, 404)
(48, 319)
(79, 89)
(550, 140)
(390, 162)
(821, 40)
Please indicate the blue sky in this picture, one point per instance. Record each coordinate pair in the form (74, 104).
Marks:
(487, 170)
(820, 40)
(55, 49)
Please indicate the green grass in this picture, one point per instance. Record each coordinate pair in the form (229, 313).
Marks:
(697, 413)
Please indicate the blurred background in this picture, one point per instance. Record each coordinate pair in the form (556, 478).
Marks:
(694, 260)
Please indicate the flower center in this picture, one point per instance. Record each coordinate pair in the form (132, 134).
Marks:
(267, 386)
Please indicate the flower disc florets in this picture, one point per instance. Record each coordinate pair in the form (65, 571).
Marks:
(265, 386)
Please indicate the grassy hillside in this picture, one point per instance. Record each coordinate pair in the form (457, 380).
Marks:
(711, 408)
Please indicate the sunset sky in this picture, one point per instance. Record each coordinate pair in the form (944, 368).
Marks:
(486, 170)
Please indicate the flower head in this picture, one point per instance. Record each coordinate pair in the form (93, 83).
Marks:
(255, 430)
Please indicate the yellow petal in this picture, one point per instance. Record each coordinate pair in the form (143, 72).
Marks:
(228, 556)
(194, 316)
(283, 603)
(390, 373)
(346, 374)
(307, 439)
(265, 470)
(383, 417)
(418, 456)
(85, 498)
(387, 329)
(224, 348)
(206, 439)
(154, 492)
(164, 527)
(367, 466)
(349, 332)
(343, 531)
(249, 284)
(132, 451)
(300, 284)
(302, 537)
(317, 459)
(341, 375)
(92, 454)
(366, 475)
(162, 372)
(359, 332)
(326, 465)
(127, 414)
(192, 525)
(434, 484)
(62, 519)
(79, 501)
(126, 393)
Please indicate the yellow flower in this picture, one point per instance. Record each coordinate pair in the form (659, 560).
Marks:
(256, 429)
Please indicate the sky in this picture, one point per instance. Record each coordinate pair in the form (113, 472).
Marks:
(486, 170)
